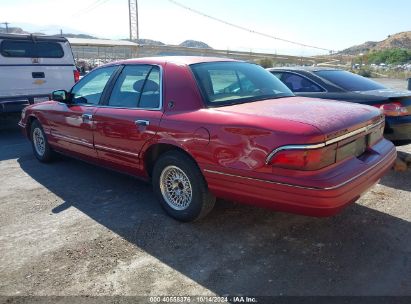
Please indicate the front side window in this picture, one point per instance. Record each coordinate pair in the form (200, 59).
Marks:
(31, 49)
(226, 83)
(297, 83)
(138, 86)
(90, 89)
(349, 81)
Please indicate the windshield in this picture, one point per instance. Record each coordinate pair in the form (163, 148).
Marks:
(227, 83)
(349, 81)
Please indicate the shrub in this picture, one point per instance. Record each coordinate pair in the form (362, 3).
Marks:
(266, 63)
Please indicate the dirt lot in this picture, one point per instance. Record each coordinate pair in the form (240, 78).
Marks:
(69, 228)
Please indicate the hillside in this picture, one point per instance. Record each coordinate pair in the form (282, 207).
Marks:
(13, 30)
(195, 44)
(400, 40)
(187, 43)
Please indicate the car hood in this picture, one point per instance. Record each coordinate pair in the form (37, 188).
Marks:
(328, 116)
(388, 93)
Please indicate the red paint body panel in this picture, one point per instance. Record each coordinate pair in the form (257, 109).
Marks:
(119, 141)
(230, 144)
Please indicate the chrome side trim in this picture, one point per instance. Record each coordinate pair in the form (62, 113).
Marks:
(321, 145)
(73, 140)
(115, 150)
(303, 187)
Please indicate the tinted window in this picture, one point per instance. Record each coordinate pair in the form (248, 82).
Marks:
(15, 48)
(224, 83)
(90, 88)
(137, 86)
(297, 83)
(150, 96)
(350, 81)
(277, 74)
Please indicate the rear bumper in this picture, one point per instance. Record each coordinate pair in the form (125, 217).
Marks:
(307, 200)
(398, 128)
(13, 104)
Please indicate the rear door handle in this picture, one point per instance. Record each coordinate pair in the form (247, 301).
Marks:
(38, 75)
(142, 122)
(87, 117)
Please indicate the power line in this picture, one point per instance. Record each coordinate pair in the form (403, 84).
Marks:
(247, 29)
(91, 7)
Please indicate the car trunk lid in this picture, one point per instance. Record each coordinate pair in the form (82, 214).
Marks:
(387, 96)
(332, 118)
(349, 129)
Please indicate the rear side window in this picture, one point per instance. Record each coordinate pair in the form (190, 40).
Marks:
(138, 86)
(297, 83)
(349, 81)
(31, 49)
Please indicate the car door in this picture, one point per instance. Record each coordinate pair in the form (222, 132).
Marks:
(130, 117)
(72, 123)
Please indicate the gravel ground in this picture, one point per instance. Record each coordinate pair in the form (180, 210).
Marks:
(69, 228)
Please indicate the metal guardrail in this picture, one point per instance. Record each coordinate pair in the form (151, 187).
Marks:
(109, 53)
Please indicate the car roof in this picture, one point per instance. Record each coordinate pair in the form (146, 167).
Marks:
(32, 37)
(304, 68)
(181, 60)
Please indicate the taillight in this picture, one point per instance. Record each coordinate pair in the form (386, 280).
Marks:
(76, 75)
(305, 159)
(393, 109)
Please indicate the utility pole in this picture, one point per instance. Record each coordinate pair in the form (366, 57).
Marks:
(7, 26)
(133, 19)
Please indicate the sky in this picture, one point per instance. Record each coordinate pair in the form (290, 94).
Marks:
(333, 25)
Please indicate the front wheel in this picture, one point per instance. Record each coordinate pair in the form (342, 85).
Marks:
(41, 147)
(181, 188)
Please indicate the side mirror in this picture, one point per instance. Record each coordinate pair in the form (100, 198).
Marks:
(60, 96)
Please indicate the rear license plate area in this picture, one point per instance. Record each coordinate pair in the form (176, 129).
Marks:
(354, 148)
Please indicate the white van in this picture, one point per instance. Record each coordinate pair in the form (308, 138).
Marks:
(31, 67)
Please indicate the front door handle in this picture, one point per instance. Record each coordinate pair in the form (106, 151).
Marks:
(142, 122)
(87, 117)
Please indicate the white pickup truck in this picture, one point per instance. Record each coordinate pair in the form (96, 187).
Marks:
(31, 67)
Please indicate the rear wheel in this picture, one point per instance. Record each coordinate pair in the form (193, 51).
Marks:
(41, 147)
(181, 188)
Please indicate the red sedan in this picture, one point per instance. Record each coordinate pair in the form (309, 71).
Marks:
(201, 128)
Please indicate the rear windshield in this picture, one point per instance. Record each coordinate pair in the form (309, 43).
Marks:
(30, 49)
(227, 83)
(349, 81)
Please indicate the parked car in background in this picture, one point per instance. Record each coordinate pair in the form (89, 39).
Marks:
(31, 67)
(337, 84)
(200, 128)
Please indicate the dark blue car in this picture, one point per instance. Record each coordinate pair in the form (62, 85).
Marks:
(337, 84)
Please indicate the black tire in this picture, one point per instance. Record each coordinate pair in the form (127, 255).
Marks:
(202, 201)
(36, 130)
